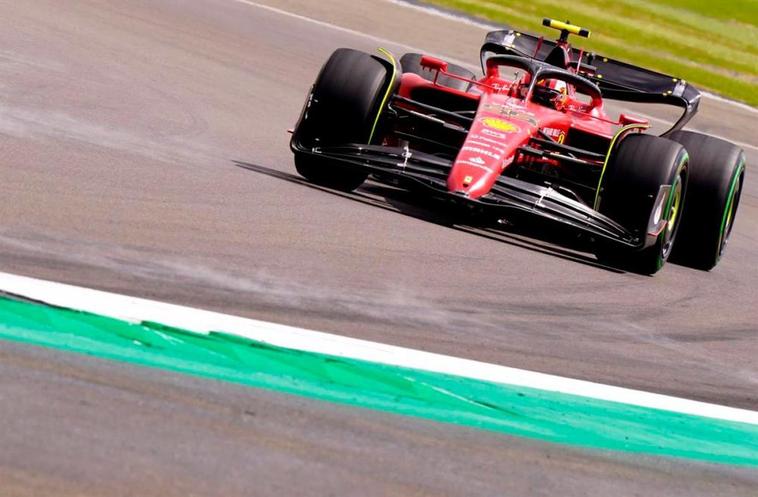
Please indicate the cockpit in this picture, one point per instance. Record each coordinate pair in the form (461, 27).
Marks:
(541, 83)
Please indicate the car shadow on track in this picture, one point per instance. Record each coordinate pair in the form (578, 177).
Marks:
(403, 202)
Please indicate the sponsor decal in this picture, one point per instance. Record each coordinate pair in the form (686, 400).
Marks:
(494, 108)
(477, 160)
(477, 165)
(483, 144)
(480, 151)
(512, 113)
(479, 138)
(494, 134)
(520, 115)
(557, 134)
(467, 180)
(500, 125)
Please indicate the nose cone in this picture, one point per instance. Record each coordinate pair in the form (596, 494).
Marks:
(489, 147)
(473, 176)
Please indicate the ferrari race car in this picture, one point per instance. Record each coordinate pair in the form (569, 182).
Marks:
(530, 137)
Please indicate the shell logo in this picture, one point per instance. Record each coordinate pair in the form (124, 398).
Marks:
(500, 125)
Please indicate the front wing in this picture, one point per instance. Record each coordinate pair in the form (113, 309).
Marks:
(416, 169)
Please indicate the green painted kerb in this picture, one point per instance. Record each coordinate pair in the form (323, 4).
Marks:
(519, 411)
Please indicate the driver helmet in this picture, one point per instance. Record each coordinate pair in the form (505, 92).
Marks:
(551, 92)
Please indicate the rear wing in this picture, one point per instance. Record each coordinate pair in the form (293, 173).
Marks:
(617, 80)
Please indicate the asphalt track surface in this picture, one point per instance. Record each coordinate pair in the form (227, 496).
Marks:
(143, 151)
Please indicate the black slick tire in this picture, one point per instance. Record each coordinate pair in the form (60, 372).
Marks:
(342, 108)
(717, 173)
(638, 168)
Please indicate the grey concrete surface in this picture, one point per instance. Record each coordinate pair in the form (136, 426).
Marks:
(143, 151)
(76, 426)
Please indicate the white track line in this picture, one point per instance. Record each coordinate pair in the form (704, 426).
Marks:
(137, 310)
(315, 21)
(437, 12)
(721, 99)
(461, 19)
(342, 29)
(445, 14)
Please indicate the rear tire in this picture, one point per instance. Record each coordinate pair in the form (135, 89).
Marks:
(717, 173)
(411, 62)
(638, 168)
(343, 107)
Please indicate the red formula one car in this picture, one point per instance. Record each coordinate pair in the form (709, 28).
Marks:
(529, 137)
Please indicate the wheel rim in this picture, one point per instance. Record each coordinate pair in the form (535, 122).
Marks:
(675, 206)
(672, 216)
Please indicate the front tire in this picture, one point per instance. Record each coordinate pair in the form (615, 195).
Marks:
(717, 173)
(638, 169)
(343, 107)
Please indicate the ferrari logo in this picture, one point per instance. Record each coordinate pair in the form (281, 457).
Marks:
(500, 125)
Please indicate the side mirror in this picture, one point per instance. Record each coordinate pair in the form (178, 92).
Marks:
(626, 120)
(433, 63)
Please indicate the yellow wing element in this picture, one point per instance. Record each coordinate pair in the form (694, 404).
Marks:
(565, 26)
